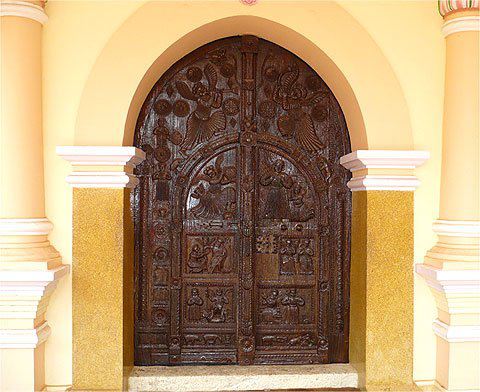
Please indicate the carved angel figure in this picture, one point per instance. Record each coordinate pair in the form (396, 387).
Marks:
(202, 123)
(218, 200)
(292, 96)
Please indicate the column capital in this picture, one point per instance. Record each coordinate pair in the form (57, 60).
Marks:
(25, 9)
(459, 15)
(448, 7)
(383, 170)
(102, 166)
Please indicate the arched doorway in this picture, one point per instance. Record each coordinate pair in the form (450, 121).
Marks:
(242, 216)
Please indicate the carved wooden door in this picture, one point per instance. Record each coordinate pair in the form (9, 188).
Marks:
(242, 215)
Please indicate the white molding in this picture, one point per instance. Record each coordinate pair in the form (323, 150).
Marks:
(372, 182)
(24, 338)
(33, 226)
(466, 23)
(128, 157)
(101, 155)
(38, 278)
(384, 159)
(453, 228)
(456, 333)
(102, 180)
(23, 9)
(445, 280)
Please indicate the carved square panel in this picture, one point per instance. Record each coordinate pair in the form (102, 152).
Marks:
(210, 254)
(290, 306)
(209, 304)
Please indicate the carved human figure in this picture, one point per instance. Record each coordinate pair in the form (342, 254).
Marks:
(219, 257)
(197, 260)
(217, 200)
(276, 206)
(305, 260)
(217, 312)
(287, 258)
(270, 311)
(195, 303)
(292, 303)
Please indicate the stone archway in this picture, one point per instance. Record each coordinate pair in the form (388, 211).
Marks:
(381, 309)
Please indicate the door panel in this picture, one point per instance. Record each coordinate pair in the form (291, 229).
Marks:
(242, 215)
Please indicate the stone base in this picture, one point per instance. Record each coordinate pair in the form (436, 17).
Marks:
(242, 378)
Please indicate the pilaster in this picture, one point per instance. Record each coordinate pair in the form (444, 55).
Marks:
(381, 287)
(30, 267)
(452, 267)
(102, 278)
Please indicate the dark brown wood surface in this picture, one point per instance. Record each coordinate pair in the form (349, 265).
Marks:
(242, 215)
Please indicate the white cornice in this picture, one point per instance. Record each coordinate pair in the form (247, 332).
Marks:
(383, 183)
(457, 333)
(101, 179)
(388, 160)
(101, 155)
(384, 159)
(450, 280)
(38, 226)
(23, 9)
(452, 228)
(128, 157)
(466, 23)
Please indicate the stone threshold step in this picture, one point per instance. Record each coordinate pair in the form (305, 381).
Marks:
(243, 378)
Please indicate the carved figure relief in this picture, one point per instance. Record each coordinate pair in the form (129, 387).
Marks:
(287, 257)
(292, 302)
(215, 191)
(195, 303)
(210, 255)
(217, 311)
(286, 193)
(281, 307)
(242, 214)
(296, 256)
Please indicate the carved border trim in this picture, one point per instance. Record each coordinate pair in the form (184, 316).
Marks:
(87, 156)
(466, 23)
(23, 9)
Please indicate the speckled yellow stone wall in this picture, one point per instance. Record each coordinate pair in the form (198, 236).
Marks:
(102, 273)
(381, 330)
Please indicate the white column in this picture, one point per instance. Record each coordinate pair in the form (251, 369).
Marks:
(29, 265)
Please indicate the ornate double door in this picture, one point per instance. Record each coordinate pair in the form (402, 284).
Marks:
(242, 215)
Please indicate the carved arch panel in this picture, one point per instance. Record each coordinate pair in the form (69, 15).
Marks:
(242, 215)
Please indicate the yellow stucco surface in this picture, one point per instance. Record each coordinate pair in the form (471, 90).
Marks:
(381, 330)
(384, 59)
(102, 319)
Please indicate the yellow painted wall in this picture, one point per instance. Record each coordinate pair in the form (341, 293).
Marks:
(83, 40)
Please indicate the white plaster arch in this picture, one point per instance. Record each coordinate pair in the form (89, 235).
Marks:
(328, 38)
